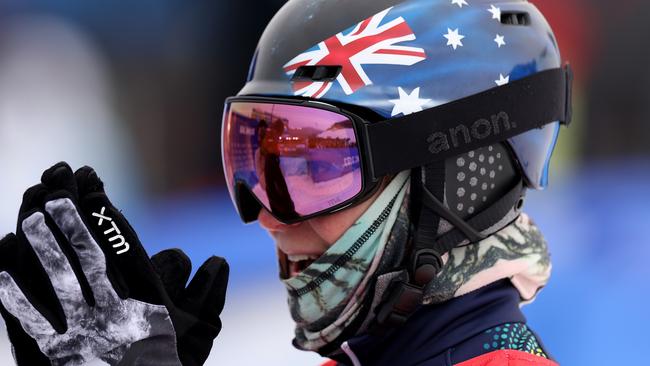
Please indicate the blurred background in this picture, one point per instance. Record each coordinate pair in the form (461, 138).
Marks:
(136, 90)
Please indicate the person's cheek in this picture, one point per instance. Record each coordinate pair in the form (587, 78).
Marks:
(292, 239)
(331, 227)
(271, 224)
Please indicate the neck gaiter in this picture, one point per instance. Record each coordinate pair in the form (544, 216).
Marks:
(326, 297)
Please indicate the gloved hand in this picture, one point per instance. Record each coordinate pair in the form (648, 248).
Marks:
(76, 284)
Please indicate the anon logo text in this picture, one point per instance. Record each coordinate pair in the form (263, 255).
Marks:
(463, 135)
(117, 239)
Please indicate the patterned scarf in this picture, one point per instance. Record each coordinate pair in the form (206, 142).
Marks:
(518, 252)
(327, 297)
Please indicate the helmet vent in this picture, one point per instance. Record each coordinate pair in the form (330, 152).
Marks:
(515, 18)
(317, 73)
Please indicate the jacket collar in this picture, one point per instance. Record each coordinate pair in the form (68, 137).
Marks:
(434, 329)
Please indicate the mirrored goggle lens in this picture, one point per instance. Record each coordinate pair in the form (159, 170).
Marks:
(296, 160)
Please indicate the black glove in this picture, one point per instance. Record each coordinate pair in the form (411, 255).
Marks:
(76, 284)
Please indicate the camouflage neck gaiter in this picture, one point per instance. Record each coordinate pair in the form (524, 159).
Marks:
(518, 252)
(326, 297)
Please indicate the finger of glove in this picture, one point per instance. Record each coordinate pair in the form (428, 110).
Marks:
(206, 293)
(33, 202)
(119, 240)
(174, 268)
(17, 304)
(18, 258)
(88, 182)
(33, 199)
(60, 178)
(92, 259)
(56, 265)
(21, 263)
(25, 349)
(58, 182)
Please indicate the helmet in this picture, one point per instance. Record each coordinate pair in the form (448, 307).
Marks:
(364, 76)
(402, 57)
(411, 66)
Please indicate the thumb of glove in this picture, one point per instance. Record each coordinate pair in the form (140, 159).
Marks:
(174, 268)
(205, 296)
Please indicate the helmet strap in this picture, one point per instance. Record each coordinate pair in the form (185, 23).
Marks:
(427, 246)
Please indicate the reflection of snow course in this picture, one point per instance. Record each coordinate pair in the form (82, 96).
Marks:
(319, 161)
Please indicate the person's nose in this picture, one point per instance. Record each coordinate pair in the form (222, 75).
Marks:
(270, 223)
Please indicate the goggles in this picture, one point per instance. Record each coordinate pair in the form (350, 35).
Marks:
(303, 158)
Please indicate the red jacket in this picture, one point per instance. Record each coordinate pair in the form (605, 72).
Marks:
(499, 358)
(508, 358)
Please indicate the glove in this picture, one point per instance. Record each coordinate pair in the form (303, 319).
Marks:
(76, 284)
(204, 296)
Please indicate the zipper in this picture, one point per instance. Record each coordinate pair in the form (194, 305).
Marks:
(348, 351)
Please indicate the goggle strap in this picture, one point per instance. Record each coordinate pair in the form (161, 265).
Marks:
(464, 125)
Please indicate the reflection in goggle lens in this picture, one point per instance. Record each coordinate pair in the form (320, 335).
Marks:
(296, 160)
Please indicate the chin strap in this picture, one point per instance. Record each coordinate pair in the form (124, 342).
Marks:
(427, 247)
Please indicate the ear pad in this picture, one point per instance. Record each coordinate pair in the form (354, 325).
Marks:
(475, 180)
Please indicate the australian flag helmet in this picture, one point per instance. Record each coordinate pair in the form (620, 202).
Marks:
(401, 57)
